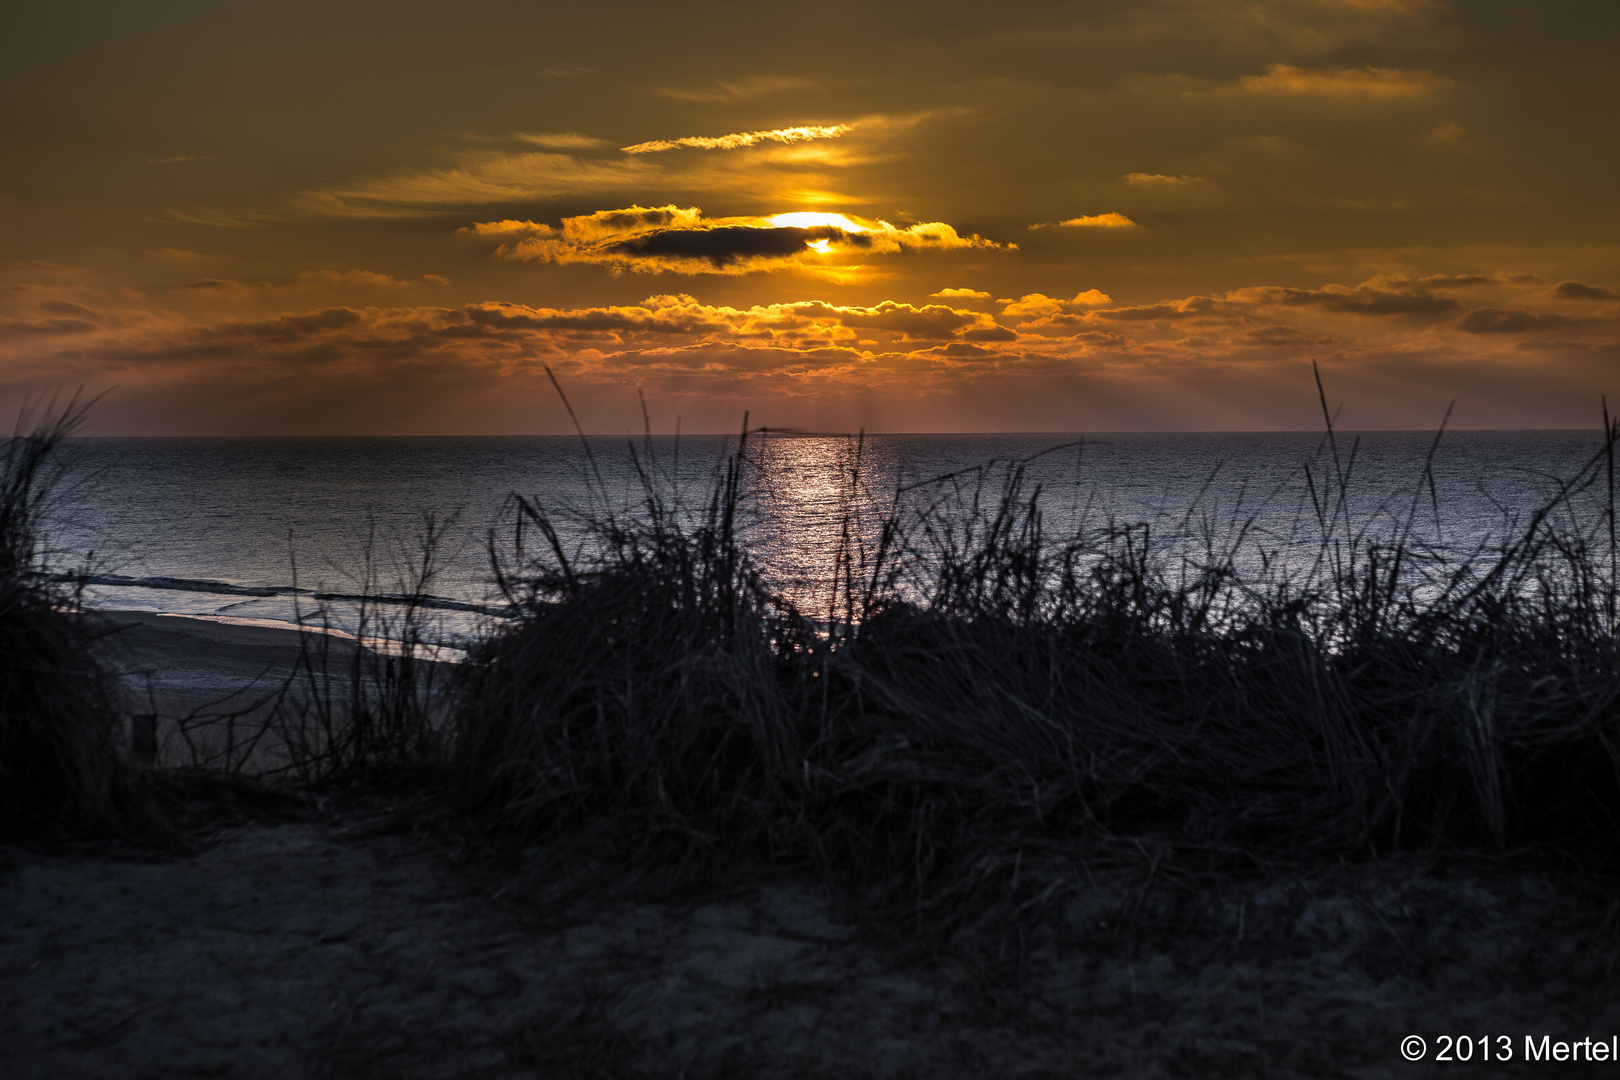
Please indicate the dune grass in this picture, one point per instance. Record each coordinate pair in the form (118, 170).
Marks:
(986, 712)
(978, 710)
(365, 699)
(60, 770)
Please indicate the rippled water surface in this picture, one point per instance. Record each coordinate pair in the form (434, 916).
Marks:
(229, 526)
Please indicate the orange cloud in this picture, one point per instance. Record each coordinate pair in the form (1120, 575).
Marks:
(1334, 82)
(1109, 220)
(743, 138)
(437, 362)
(1039, 305)
(561, 140)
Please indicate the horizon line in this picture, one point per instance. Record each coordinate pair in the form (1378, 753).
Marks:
(787, 432)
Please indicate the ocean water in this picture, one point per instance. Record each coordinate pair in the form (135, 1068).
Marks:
(257, 528)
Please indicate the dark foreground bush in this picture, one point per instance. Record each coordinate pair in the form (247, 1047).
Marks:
(60, 772)
(987, 713)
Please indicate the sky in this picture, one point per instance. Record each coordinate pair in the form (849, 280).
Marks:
(292, 218)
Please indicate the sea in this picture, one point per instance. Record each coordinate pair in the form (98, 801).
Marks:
(282, 530)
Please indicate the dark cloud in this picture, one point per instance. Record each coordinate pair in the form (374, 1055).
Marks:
(508, 317)
(674, 239)
(927, 323)
(1365, 301)
(294, 326)
(637, 218)
(1493, 320)
(961, 351)
(1191, 307)
(28, 328)
(1576, 290)
(728, 244)
(68, 307)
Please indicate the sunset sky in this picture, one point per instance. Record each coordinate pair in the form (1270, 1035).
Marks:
(388, 218)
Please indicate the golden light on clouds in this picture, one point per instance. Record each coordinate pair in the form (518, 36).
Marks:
(742, 139)
(681, 240)
(1367, 82)
(561, 140)
(1110, 220)
(1040, 353)
(372, 229)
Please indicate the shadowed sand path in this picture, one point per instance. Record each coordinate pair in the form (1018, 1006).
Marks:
(338, 945)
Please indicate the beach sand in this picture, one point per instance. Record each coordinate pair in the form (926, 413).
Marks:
(331, 935)
(212, 682)
(191, 662)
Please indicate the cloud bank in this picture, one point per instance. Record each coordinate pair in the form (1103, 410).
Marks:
(790, 362)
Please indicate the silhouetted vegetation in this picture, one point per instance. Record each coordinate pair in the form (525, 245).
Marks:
(988, 711)
(364, 700)
(60, 770)
(977, 711)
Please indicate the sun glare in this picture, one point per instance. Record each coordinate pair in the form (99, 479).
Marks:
(806, 219)
(820, 247)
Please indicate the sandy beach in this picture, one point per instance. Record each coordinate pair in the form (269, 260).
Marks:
(209, 680)
(187, 662)
(329, 934)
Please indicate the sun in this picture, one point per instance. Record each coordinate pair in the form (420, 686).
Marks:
(820, 247)
(809, 219)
